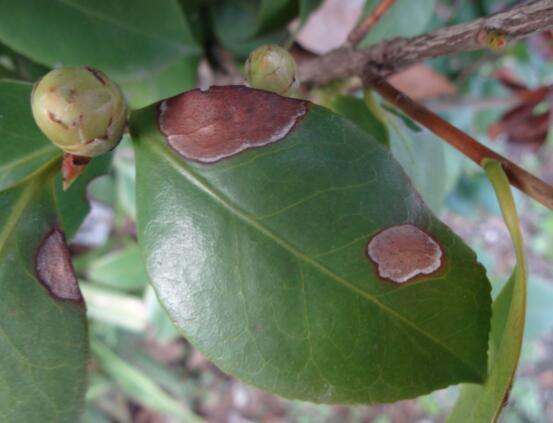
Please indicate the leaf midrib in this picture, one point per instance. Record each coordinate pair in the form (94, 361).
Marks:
(182, 168)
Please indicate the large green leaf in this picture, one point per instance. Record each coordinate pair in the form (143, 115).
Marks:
(43, 334)
(405, 18)
(261, 258)
(136, 42)
(483, 403)
(43, 329)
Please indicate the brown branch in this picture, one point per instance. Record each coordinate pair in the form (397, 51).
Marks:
(391, 55)
(363, 28)
(518, 177)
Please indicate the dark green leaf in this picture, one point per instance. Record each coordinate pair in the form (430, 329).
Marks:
(483, 403)
(131, 40)
(243, 25)
(23, 148)
(43, 334)
(261, 258)
(357, 111)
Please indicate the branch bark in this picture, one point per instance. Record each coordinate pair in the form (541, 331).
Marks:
(391, 55)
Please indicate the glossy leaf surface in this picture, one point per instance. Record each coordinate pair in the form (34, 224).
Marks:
(483, 403)
(43, 339)
(134, 42)
(261, 260)
(43, 331)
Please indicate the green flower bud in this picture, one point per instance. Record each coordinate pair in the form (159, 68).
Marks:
(271, 68)
(80, 109)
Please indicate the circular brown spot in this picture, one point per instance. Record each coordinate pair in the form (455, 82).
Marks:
(402, 252)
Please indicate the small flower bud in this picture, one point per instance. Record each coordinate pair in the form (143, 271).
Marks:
(271, 68)
(80, 110)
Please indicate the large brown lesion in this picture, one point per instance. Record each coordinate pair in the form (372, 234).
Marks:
(208, 126)
(54, 268)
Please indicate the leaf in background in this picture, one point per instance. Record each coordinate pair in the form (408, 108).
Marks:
(114, 308)
(415, 150)
(405, 18)
(162, 327)
(243, 25)
(483, 403)
(169, 81)
(139, 386)
(73, 204)
(122, 270)
(134, 41)
(261, 258)
(125, 179)
(43, 334)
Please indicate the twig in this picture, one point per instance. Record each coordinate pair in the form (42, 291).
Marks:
(363, 28)
(518, 177)
(390, 55)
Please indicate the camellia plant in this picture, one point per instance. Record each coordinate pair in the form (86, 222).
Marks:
(285, 240)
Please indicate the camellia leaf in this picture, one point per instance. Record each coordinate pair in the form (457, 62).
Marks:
(139, 43)
(23, 148)
(404, 19)
(290, 248)
(43, 334)
(356, 110)
(483, 403)
(243, 25)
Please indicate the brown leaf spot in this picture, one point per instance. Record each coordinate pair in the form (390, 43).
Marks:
(54, 268)
(402, 252)
(208, 126)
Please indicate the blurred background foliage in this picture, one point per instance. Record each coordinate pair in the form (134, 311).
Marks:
(143, 370)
